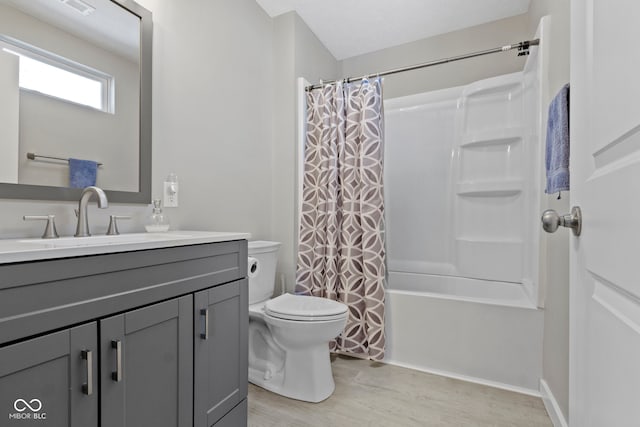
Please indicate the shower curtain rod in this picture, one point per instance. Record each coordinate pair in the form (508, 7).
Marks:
(523, 47)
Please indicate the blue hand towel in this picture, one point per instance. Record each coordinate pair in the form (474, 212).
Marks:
(82, 173)
(557, 150)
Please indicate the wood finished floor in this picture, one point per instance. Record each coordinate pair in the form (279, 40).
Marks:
(374, 394)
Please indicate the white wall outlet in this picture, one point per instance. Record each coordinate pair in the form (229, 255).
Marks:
(170, 194)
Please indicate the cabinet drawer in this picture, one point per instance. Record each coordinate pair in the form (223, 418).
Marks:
(237, 417)
(39, 296)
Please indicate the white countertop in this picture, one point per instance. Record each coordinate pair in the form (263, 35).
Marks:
(17, 250)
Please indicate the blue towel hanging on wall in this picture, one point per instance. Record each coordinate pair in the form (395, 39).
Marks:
(557, 149)
(82, 173)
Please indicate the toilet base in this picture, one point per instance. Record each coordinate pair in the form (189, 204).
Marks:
(306, 375)
(291, 357)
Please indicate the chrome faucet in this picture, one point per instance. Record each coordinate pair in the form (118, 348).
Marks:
(82, 229)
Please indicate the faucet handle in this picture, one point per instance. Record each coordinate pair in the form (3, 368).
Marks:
(50, 231)
(113, 224)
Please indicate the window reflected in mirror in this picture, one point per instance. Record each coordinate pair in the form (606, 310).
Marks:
(69, 88)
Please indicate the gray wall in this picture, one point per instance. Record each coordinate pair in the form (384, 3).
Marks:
(555, 357)
(283, 156)
(9, 107)
(297, 53)
(226, 122)
(480, 37)
(213, 115)
(312, 61)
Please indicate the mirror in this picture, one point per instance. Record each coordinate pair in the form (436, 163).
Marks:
(75, 82)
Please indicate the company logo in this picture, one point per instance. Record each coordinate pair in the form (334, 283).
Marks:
(28, 410)
(21, 405)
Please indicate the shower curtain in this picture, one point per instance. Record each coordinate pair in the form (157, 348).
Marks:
(341, 251)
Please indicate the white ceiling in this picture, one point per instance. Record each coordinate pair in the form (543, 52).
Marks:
(354, 27)
(110, 26)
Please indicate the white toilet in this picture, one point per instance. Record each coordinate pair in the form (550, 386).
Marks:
(289, 335)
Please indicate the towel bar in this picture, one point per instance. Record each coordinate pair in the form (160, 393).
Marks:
(33, 156)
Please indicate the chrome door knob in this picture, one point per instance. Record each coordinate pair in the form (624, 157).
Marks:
(551, 220)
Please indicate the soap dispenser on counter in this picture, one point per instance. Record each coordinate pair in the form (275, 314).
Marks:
(157, 221)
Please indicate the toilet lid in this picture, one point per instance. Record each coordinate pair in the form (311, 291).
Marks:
(302, 307)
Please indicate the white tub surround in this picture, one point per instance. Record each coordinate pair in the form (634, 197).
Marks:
(462, 182)
(463, 174)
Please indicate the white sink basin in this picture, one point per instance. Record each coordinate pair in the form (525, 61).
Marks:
(101, 240)
(16, 250)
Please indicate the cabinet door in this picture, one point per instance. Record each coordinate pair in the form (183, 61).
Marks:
(220, 351)
(51, 380)
(147, 366)
(237, 417)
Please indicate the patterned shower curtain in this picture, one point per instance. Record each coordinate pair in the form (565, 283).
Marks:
(341, 252)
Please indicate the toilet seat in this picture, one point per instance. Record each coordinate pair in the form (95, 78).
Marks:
(304, 308)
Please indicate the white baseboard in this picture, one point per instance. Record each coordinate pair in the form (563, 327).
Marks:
(496, 384)
(551, 405)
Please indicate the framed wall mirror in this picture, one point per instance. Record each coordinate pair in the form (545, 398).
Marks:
(75, 83)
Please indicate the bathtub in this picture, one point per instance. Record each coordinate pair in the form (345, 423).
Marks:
(460, 289)
(476, 330)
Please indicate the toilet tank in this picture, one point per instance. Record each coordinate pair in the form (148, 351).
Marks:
(263, 258)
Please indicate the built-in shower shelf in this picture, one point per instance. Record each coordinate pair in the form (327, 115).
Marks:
(503, 136)
(490, 188)
(492, 86)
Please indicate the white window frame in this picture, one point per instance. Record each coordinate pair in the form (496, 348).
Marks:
(106, 81)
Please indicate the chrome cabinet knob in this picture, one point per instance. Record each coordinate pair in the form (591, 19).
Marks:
(551, 220)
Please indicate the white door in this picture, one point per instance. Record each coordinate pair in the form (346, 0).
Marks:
(605, 180)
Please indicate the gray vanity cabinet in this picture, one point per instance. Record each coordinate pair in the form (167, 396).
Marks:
(146, 375)
(51, 380)
(120, 339)
(220, 355)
